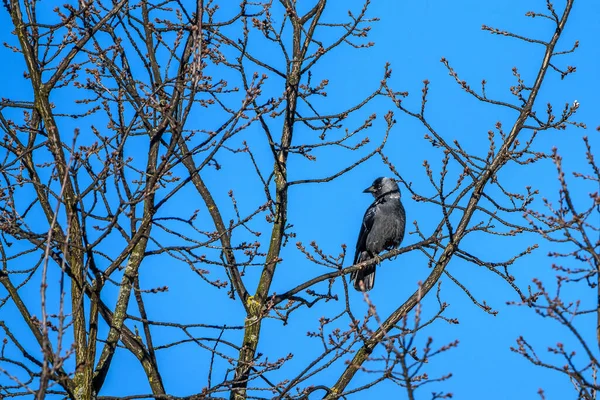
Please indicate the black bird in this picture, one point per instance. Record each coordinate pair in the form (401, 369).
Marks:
(382, 229)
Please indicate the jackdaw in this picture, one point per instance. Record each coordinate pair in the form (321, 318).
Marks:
(382, 229)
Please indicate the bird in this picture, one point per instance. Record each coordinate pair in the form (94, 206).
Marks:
(382, 228)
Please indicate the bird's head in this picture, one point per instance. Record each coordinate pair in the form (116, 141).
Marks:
(382, 186)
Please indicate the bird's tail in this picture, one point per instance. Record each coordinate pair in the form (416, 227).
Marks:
(366, 276)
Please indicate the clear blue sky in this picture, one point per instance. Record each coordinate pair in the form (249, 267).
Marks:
(413, 37)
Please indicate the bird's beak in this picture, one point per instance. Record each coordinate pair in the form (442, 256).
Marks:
(370, 189)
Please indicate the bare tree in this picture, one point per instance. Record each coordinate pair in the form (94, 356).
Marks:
(115, 164)
(572, 227)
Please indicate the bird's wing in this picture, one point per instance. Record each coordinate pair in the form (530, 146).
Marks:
(387, 228)
(365, 228)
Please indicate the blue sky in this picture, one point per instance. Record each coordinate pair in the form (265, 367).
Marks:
(413, 37)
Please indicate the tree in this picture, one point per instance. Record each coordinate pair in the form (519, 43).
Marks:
(572, 226)
(163, 151)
